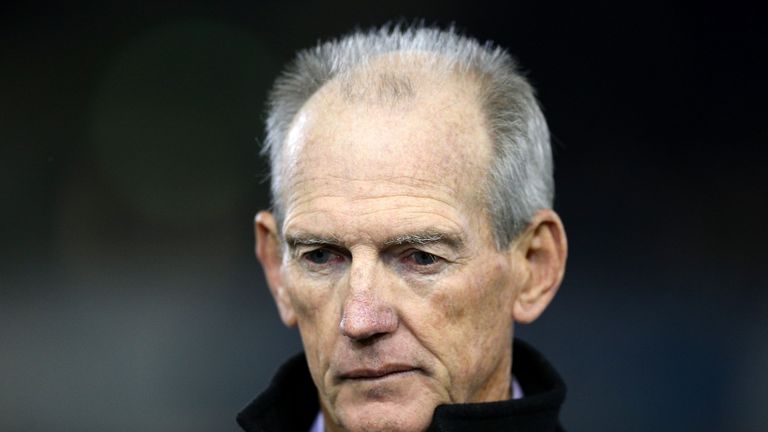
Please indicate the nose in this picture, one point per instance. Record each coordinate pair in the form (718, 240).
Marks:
(365, 317)
(366, 314)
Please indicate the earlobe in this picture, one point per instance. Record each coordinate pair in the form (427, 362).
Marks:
(545, 250)
(269, 253)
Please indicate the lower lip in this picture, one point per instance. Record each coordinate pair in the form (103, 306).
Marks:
(397, 374)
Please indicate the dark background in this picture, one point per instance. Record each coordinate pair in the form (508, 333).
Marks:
(129, 168)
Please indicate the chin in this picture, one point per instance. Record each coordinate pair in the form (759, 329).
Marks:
(406, 405)
(387, 417)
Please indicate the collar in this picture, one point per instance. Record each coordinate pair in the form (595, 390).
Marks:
(290, 401)
(319, 426)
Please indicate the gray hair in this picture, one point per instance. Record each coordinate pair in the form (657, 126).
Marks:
(520, 176)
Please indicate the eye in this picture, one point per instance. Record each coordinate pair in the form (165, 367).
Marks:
(423, 258)
(423, 263)
(319, 256)
(323, 260)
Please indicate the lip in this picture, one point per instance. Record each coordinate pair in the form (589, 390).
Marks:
(377, 373)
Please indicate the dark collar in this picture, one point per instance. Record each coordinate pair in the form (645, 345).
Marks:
(290, 403)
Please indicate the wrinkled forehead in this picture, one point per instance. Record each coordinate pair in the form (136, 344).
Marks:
(391, 119)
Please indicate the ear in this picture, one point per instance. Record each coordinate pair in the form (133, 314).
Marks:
(269, 253)
(544, 249)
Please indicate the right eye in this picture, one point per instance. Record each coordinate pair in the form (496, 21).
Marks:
(323, 259)
(319, 256)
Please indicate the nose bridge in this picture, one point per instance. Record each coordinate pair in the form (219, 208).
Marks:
(366, 310)
(363, 272)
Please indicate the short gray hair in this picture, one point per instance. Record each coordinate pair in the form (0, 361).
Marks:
(520, 176)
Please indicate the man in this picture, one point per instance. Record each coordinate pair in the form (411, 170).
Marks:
(411, 227)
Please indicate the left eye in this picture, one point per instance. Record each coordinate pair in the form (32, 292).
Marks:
(423, 258)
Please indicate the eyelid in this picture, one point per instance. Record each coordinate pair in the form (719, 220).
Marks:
(435, 256)
(412, 249)
(302, 248)
(303, 251)
(337, 260)
(408, 261)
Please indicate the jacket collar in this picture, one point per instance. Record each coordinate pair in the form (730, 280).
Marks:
(290, 403)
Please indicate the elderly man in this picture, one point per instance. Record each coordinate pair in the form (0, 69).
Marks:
(411, 227)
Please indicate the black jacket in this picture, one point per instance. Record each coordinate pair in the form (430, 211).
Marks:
(290, 403)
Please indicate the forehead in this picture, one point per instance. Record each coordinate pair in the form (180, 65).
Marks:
(388, 130)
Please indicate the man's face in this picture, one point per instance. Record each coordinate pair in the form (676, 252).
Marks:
(389, 266)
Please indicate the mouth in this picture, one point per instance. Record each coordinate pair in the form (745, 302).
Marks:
(387, 371)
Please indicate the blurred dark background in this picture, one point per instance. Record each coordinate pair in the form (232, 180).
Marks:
(129, 168)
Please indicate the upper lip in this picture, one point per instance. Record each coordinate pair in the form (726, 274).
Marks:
(369, 373)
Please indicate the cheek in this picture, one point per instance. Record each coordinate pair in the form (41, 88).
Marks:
(317, 323)
(493, 295)
(305, 294)
(305, 300)
(471, 320)
(313, 305)
(480, 300)
(302, 303)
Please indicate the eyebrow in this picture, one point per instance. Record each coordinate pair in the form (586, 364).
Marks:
(419, 238)
(303, 239)
(426, 238)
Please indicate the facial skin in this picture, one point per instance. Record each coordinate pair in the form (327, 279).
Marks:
(386, 260)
